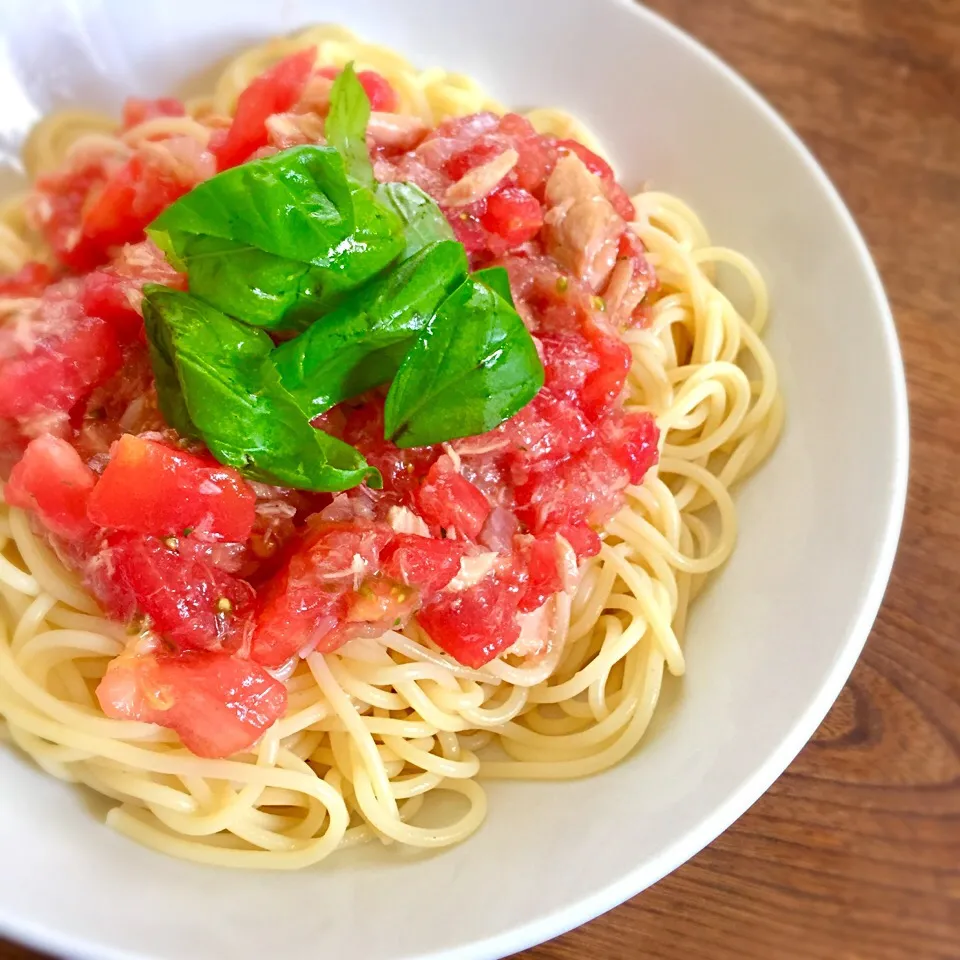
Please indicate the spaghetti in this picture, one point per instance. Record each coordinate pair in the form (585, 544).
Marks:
(380, 733)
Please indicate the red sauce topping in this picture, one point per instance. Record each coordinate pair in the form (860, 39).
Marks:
(236, 578)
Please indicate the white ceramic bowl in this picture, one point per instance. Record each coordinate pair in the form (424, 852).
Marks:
(770, 645)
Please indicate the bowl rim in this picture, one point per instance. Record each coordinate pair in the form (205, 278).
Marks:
(553, 924)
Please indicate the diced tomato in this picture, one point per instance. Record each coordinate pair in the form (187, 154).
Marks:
(534, 159)
(219, 705)
(426, 563)
(476, 624)
(59, 203)
(603, 386)
(53, 359)
(632, 441)
(584, 539)
(468, 228)
(583, 488)
(382, 601)
(514, 215)
(383, 98)
(190, 602)
(303, 605)
(55, 483)
(131, 198)
(114, 293)
(546, 430)
(29, 281)
(275, 91)
(448, 500)
(137, 110)
(538, 561)
(103, 296)
(151, 488)
(569, 360)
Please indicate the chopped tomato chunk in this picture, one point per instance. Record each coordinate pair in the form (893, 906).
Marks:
(29, 281)
(538, 559)
(130, 199)
(602, 386)
(477, 624)
(189, 602)
(137, 110)
(151, 488)
(381, 600)
(56, 484)
(448, 501)
(54, 358)
(514, 215)
(633, 443)
(275, 91)
(302, 605)
(59, 200)
(423, 562)
(219, 705)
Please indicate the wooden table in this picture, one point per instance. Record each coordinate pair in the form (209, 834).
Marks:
(854, 854)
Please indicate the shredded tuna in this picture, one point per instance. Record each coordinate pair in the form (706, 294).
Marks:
(478, 182)
(581, 229)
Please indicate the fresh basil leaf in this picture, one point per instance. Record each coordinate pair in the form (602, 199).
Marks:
(423, 221)
(229, 390)
(361, 344)
(498, 280)
(473, 366)
(278, 241)
(346, 125)
(169, 395)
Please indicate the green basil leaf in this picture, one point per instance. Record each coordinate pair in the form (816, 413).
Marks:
(423, 221)
(235, 404)
(278, 241)
(346, 125)
(361, 344)
(473, 366)
(498, 280)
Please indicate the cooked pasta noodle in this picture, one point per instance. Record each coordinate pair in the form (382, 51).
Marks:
(381, 729)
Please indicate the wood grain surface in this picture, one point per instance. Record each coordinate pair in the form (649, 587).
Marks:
(854, 853)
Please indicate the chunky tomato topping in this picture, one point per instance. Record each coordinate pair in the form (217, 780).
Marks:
(218, 704)
(227, 578)
(450, 503)
(53, 481)
(423, 562)
(151, 488)
(475, 624)
(274, 91)
(53, 355)
(187, 600)
(305, 604)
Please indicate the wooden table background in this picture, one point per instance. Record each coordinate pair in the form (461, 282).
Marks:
(854, 853)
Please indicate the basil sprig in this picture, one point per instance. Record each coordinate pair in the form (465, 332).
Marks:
(219, 387)
(473, 366)
(346, 125)
(278, 241)
(361, 344)
(370, 275)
